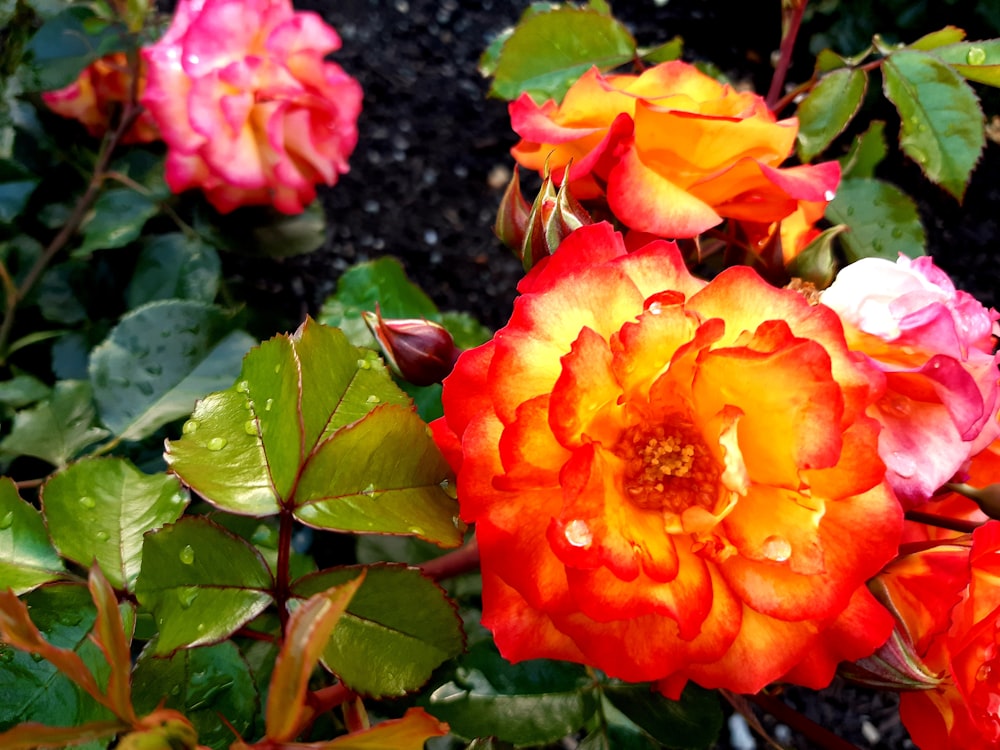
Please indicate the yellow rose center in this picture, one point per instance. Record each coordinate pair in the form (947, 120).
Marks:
(668, 466)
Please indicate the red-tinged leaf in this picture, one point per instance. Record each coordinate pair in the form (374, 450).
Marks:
(407, 733)
(17, 630)
(308, 631)
(109, 633)
(30, 735)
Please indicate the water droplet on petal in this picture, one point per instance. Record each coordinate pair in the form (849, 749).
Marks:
(984, 673)
(578, 533)
(88, 502)
(776, 548)
(829, 195)
(190, 427)
(902, 464)
(7, 520)
(216, 444)
(186, 555)
(975, 56)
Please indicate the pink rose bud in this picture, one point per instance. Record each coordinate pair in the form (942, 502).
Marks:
(98, 91)
(419, 351)
(250, 110)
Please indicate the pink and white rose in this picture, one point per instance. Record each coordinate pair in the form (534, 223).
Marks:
(935, 345)
(250, 110)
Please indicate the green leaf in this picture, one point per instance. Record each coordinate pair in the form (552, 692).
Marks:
(398, 628)
(204, 684)
(939, 38)
(16, 187)
(277, 429)
(882, 220)
(942, 125)
(828, 108)
(816, 263)
(22, 390)
(100, 509)
(467, 332)
(531, 703)
(264, 232)
(66, 44)
(174, 266)
(159, 360)
(118, 216)
(548, 51)
(57, 428)
(33, 689)
(27, 558)
(382, 475)
(691, 723)
(201, 582)
(866, 153)
(976, 61)
(56, 296)
(665, 52)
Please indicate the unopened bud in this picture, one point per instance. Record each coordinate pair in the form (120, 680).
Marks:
(512, 216)
(895, 665)
(419, 351)
(554, 215)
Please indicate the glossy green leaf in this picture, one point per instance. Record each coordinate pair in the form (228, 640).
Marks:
(882, 220)
(159, 360)
(32, 689)
(691, 723)
(201, 582)
(398, 629)
(665, 52)
(976, 61)
(204, 684)
(119, 214)
(58, 428)
(531, 703)
(941, 37)
(27, 558)
(382, 475)
(866, 152)
(941, 120)
(174, 266)
(65, 45)
(293, 395)
(307, 632)
(22, 390)
(100, 509)
(548, 51)
(828, 109)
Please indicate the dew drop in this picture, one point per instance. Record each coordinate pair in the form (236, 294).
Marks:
(216, 444)
(850, 210)
(154, 369)
(897, 232)
(243, 386)
(102, 536)
(6, 655)
(186, 596)
(268, 404)
(37, 658)
(7, 520)
(654, 308)
(975, 56)
(190, 427)
(369, 491)
(373, 399)
(88, 502)
(902, 464)
(417, 531)
(449, 489)
(277, 369)
(984, 673)
(829, 195)
(578, 533)
(145, 388)
(364, 364)
(776, 548)
(175, 690)
(201, 627)
(186, 555)
(250, 427)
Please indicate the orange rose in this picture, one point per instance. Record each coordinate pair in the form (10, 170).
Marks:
(674, 151)
(667, 476)
(948, 601)
(93, 96)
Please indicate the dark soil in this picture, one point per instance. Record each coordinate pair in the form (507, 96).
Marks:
(432, 162)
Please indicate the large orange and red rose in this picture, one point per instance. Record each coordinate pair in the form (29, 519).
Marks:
(675, 152)
(667, 477)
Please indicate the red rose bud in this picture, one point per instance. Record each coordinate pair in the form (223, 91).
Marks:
(895, 665)
(553, 216)
(419, 351)
(512, 216)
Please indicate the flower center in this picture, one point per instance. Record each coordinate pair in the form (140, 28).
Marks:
(668, 466)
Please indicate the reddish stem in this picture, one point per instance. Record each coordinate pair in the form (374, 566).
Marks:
(324, 699)
(462, 560)
(784, 713)
(794, 18)
(942, 522)
(282, 575)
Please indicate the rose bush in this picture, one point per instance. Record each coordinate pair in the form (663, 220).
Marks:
(948, 603)
(666, 475)
(675, 152)
(250, 110)
(94, 95)
(935, 345)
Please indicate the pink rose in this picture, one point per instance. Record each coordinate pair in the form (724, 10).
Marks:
(250, 110)
(935, 346)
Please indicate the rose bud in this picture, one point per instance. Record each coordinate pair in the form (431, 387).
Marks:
(512, 216)
(554, 215)
(419, 351)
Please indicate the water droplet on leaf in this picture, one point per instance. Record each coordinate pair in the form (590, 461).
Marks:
(369, 491)
(186, 596)
(372, 399)
(102, 536)
(364, 364)
(243, 386)
(190, 427)
(250, 427)
(975, 56)
(7, 520)
(578, 533)
(187, 555)
(268, 404)
(776, 548)
(216, 444)
(88, 502)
